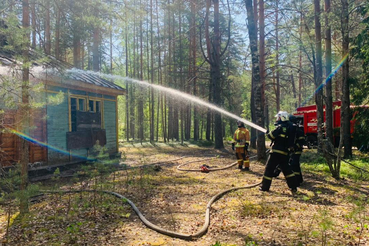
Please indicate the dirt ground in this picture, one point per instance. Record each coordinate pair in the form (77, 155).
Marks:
(323, 212)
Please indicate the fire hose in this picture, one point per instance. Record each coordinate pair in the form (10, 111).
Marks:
(179, 167)
(161, 230)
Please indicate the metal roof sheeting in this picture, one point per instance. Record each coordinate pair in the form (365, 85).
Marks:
(60, 68)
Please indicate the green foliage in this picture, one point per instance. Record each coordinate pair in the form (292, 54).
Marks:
(260, 210)
(316, 163)
(360, 85)
(249, 241)
(202, 143)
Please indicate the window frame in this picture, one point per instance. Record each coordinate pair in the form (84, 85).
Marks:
(78, 98)
(86, 103)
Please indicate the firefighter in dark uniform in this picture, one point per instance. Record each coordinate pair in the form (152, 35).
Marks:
(295, 156)
(279, 155)
(241, 139)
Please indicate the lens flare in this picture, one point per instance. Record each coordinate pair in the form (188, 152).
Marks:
(43, 144)
(327, 80)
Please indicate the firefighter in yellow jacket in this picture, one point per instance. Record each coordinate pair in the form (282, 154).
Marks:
(241, 142)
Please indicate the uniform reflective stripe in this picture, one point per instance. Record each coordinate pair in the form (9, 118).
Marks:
(298, 145)
(240, 160)
(246, 161)
(298, 153)
(268, 178)
(289, 176)
(283, 136)
(296, 173)
(279, 152)
(238, 139)
(301, 137)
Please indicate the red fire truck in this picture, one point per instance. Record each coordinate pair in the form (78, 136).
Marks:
(308, 119)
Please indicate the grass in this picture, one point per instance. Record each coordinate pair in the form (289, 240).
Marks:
(312, 162)
(316, 213)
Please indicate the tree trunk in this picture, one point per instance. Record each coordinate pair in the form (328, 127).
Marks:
(208, 47)
(127, 88)
(300, 61)
(318, 74)
(140, 109)
(294, 90)
(175, 83)
(257, 87)
(25, 107)
(57, 34)
(328, 69)
(47, 29)
(95, 50)
(181, 78)
(262, 48)
(193, 68)
(216, 78)
(77, 50)
(33, 13)
(345, 107)
(278, 86)
(152, 120)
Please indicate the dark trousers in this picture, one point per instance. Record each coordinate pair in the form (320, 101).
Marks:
(296, 168)
(274, 160)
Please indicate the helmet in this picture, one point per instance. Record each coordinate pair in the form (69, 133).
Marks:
(240, 124)
(282, 116)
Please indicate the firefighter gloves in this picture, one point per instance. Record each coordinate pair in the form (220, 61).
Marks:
(246, 146)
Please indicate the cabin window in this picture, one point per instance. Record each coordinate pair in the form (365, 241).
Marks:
(94, 106)
(97, 106)
(85, 113)
(76, 105)
(85, 123)
(73, 110)
(81, 104)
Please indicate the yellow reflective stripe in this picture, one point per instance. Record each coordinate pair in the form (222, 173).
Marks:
(291, 175)
(296, 173)
(298, 153)
(301, 137)
(271, 135)
(279, 152)
(246, 161)
(298, 145)
(237, 138)
(268, 178)
(282, 135)
(240, 160)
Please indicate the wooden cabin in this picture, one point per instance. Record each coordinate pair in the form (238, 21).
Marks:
(72, 113)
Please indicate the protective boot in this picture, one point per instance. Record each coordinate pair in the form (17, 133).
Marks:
(291, 181)
(246, 163)
(266, 183)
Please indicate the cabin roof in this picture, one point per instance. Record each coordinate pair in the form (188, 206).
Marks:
(59, 68)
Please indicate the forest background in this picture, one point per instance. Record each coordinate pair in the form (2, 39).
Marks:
(204, 49)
